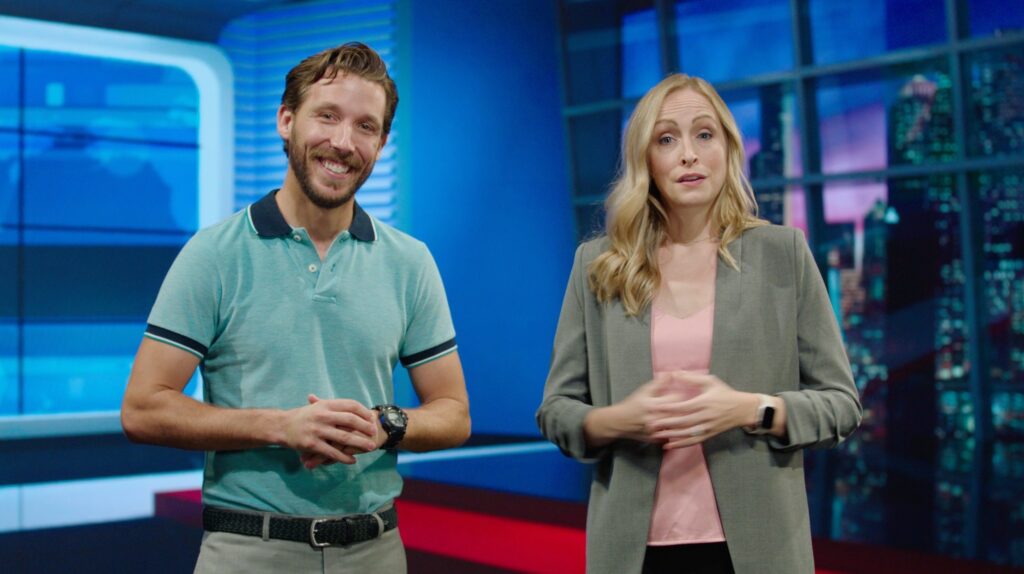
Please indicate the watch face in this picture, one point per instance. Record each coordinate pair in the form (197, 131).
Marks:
(393, 419)
(769, 418)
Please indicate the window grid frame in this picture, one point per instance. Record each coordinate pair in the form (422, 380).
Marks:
(956, 52)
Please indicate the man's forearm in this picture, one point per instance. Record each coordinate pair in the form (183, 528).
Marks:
(442, 423)
(335, 429)
(169, 418)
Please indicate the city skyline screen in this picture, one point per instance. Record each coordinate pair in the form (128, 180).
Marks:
(938, 463)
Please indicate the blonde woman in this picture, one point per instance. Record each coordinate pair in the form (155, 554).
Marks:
(696, 356)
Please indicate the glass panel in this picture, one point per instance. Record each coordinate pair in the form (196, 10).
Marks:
(9, 170)
(854, 239)
(81, 96)
(102, 276)
(8, 367)
(1008, 455)
(782, 206)
(83, 182)
(894, 260)
(9, 114)
(595, 141)
(78, 367)
(858, 510)
(996, 108)
(1005, 500)
(1008, 414)
(108, 145)
(1004, 512)
(9, 277)
(641, 58)
(91, 239)
(611, 49)
(843, 30)
(872, 120)
(771, 204)
(8, 323)
(9, 96)
(589, 220)
(1001, 196)
(952, 513)
(996, 18)
(767, 120)
(716, 39)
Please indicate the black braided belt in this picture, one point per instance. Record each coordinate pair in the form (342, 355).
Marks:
(317, 532)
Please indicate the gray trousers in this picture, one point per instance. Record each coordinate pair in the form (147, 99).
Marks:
(224, 553)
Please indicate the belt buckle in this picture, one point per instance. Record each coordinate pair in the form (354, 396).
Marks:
(312, 533)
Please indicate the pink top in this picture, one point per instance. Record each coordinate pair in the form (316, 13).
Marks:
(685, 511)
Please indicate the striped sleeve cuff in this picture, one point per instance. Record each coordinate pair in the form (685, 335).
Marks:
(430, 354)
(180, 341)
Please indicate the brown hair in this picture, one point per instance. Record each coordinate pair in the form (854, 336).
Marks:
(350, 58)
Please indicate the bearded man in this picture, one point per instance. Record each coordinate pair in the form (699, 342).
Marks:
(296, 311)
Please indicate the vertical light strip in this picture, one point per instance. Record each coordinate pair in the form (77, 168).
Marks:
(262, 47)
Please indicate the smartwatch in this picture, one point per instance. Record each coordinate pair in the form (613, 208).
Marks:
(765, 417)
(394, 422)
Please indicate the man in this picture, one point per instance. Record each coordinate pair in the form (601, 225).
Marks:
(296, 310)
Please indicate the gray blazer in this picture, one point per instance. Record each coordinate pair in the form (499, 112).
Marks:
(774, 333)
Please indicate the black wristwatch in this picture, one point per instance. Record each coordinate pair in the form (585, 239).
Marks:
(394, 421)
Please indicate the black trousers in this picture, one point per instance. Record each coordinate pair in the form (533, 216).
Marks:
(710, 558)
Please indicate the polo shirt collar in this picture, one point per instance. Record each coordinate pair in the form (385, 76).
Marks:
(266, 218)
(362, 227)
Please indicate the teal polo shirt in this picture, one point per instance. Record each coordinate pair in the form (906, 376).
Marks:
(271, 323)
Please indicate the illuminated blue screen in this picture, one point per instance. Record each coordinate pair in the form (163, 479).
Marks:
(98, 192)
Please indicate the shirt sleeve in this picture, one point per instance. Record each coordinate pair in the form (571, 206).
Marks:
(429, 332)
(185, 312)
(567, 399)
(827, 408)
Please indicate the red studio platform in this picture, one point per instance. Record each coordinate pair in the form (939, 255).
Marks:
(489, 531)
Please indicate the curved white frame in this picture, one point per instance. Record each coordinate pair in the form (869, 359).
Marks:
(212, 74)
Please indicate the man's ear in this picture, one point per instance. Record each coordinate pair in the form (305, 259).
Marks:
(285, 117)
(383, 142)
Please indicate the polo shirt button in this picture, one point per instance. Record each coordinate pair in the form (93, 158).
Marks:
(297, 237)
(312, 267)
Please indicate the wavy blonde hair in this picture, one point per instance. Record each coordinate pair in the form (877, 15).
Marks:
(638, 216)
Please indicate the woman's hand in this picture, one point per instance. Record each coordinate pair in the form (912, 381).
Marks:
(712, 407)
(630, 418)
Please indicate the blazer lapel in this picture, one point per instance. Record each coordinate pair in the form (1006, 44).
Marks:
(629, 348)
(726, 351)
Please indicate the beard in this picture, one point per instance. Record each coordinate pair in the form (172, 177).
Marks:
(300, 167)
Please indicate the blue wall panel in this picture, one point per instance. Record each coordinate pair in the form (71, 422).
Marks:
(486, 189)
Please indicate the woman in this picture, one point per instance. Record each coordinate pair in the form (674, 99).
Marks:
(696, 356)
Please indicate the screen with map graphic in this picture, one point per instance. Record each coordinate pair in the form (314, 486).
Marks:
(98, 192)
